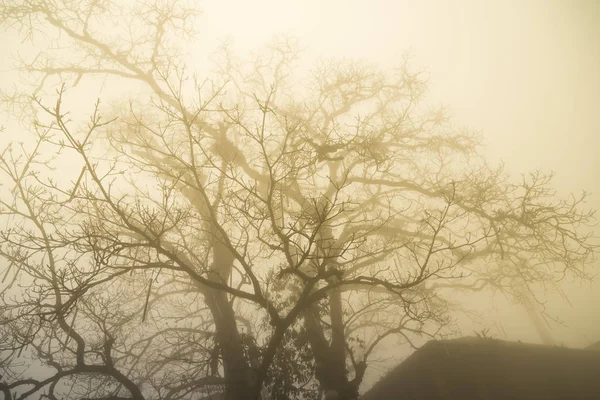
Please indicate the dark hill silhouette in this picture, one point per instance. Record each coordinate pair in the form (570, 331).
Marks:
(491, 369)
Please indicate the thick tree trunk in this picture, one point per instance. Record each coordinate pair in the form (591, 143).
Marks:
(238, 374)
(236, 370)
(330, 358)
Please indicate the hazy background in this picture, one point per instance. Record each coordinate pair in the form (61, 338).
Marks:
(525, 73)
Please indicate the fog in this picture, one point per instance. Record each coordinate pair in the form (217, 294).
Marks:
(525, 75)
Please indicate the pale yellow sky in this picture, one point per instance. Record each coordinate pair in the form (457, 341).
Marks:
(524, 72)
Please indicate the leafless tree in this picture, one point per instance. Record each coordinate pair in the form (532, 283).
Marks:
(211, 226)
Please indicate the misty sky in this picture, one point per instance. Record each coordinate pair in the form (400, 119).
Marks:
(525, 73)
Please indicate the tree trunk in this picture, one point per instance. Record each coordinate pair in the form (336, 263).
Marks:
(235, 366)
(330, 358)
(238, 374)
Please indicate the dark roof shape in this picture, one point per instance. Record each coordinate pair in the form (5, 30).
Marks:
(490, 369)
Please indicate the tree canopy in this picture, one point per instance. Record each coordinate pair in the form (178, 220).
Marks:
(252, 231)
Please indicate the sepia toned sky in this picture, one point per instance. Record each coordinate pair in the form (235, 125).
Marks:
(526, 73)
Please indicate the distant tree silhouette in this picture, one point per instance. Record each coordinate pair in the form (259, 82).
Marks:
(250, 233)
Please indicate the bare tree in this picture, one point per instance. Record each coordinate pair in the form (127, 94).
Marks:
(216, 225)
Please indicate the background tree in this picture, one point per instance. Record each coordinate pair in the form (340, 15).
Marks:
(228, 233)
